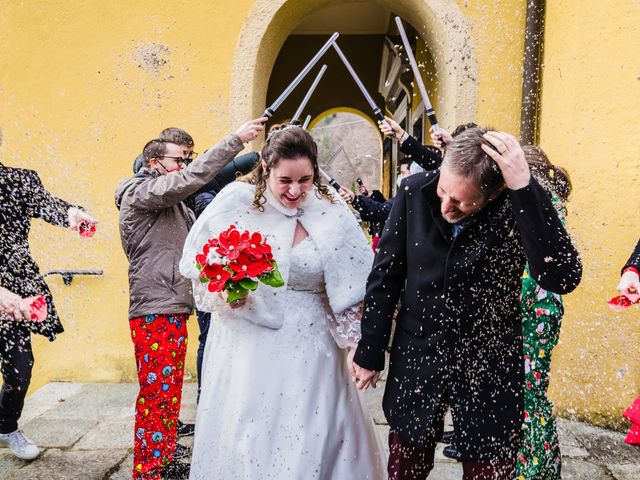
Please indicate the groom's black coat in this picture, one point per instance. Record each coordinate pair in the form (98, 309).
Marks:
(458, 340)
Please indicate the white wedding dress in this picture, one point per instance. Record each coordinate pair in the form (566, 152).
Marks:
(279, 403)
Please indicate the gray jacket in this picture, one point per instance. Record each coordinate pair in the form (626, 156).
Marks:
(154, 223)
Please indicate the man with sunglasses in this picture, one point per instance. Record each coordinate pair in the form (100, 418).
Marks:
(172, 135)
(154, 222)
(197, 202)
(184, 141)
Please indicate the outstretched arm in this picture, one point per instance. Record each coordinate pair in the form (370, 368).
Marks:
(372, 211)
(42, 204)
(169, 190)
(426, 156)
(54, 210)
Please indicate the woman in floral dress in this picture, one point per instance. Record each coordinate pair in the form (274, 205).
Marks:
(539, 456)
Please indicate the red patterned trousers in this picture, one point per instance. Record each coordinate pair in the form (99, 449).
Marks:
(160, 343)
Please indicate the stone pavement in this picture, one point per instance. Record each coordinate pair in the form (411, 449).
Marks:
(86, 432)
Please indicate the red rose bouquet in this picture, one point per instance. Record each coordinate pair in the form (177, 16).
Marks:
(237, 262)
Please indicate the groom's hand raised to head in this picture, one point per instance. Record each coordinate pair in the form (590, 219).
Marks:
(364, 378)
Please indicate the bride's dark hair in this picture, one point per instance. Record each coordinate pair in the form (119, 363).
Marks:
(285, 141)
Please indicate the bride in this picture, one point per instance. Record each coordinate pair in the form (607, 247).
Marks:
(277, 399)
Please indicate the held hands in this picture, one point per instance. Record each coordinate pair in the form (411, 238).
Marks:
(347, 195)
(440, 139)
(629, 283)
(391, 126)
(250, 130)
(509, 157)
(362, 377)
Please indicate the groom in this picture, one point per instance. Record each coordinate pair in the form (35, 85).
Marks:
(453, 252)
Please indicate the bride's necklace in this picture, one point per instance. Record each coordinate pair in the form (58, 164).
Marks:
(298, 214)
(286, 211)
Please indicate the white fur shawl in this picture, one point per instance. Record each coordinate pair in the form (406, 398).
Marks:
(345, 252)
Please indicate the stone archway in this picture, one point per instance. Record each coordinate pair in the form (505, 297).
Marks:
(440, 23)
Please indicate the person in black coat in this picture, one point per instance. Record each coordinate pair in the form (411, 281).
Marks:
(23, 197)
(453, 251)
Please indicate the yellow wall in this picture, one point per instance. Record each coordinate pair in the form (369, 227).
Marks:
(589, 124)
(79, 96)
(83, 85)
(498, 32)
(498, 40)
(430, 79)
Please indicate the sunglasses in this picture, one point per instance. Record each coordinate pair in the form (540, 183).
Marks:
(180, 160)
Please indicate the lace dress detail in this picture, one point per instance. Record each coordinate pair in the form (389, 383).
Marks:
(346, 325)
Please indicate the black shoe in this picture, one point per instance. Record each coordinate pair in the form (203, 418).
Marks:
(185, 429)
(447, 437)
(451, 452)
(176, 471)
(181, 451)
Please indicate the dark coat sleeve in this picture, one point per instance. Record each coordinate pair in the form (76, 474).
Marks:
(371, 210)
(384, 287)
(553, 260)
(634, 259)
(202, 201)
(426, 156)
(42, 204)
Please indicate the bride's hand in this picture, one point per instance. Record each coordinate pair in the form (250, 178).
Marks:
(240, 302)
(365, 378)
(350, 367)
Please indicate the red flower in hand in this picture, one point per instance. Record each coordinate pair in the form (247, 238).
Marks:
(256, 245)
(217, 276)
(247, 259)
(247, 266)
(620, 303)
(201, 258)
(229, 243)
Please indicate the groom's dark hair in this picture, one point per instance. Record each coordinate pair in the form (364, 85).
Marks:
(465, 157)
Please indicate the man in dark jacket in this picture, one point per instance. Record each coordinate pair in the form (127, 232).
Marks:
(154, 223)
(454, 249)
(23, 197)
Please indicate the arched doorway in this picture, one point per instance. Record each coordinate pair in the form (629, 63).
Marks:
(440, 23)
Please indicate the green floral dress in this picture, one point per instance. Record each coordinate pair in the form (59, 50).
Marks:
(539, 457)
